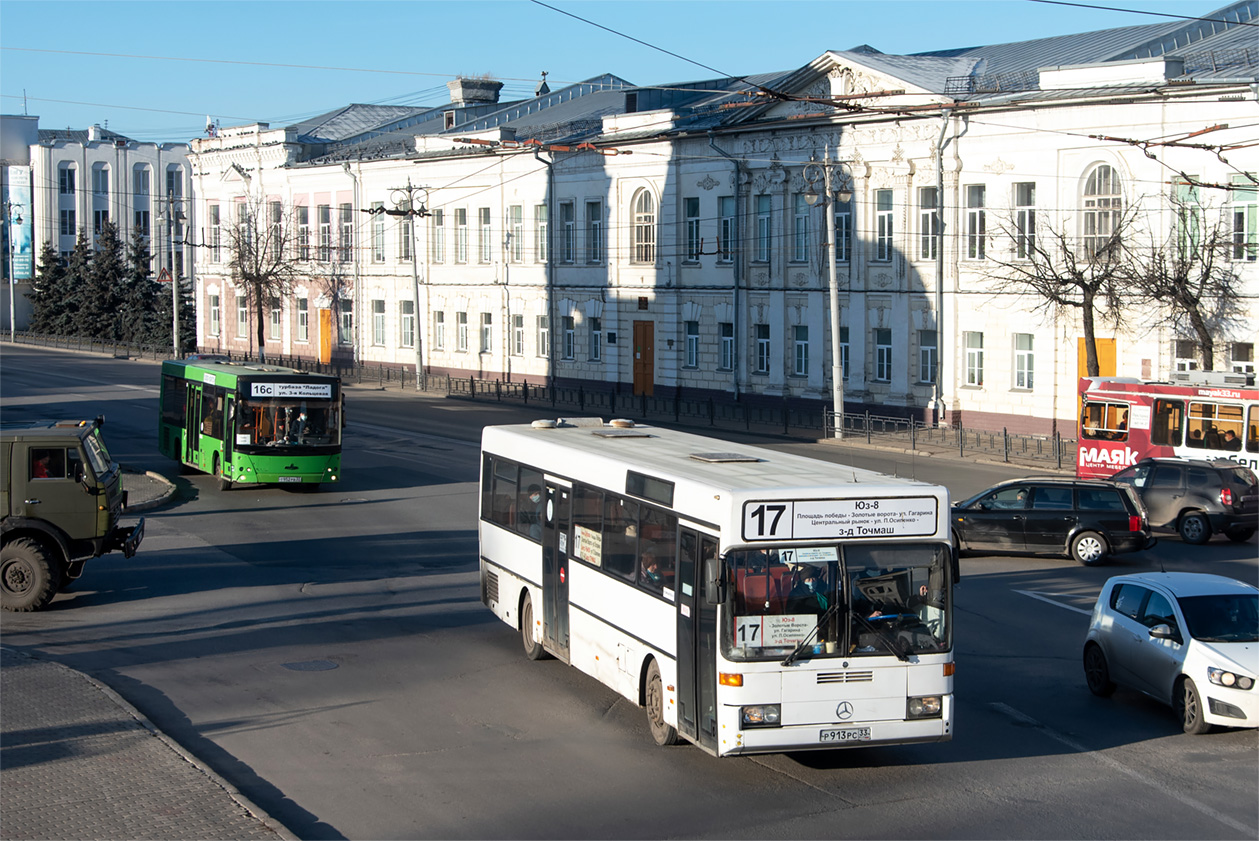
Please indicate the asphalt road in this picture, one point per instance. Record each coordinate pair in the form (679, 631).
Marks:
(327, 653)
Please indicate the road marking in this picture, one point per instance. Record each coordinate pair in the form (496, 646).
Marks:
(1045, 597)
(1210, 811)
(411, 436)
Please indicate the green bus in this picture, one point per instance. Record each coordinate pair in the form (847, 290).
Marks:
(249, 423)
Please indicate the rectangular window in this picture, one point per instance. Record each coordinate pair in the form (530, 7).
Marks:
(438, 242)
(800, 228)
(406, 238)
(65, 181)
(487, 332)
(690, 211)
(764, 227)
(303, 320)
(843, 350)
(1024, 219)
(517, 335)
(726, 333)
(729, 228)
(216, 234)
(485, 244)
(378, 232)
(516, 232)
(975, 359)
(143, 219)
(325, 232)
(378, 323)
(800, 350)
(461, 235)
(883, 355)
(275, 321)
(544, 335)
(100, 218)
(1186, 355)
(100, 181)
(928, 223)
(883, 222)
(976, 222)
(303, 232)
(242, 317)
(406, 324)
(68, 228)
(1242, 357)
(1243, 212)
(214, 316)
(345, 216)
(843, 231)
(596, 339)
(928, 356)
(346, 322)
(541, 233)
(439, 330)
(570, 338)
(692, 344)
(1024, 360)
(594, 231)
(461, 331)
(566, 232)
(762, 348)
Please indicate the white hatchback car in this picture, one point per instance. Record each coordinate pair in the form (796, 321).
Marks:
(1187, 639)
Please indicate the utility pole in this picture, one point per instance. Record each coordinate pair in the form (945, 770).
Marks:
(174, 213)
(813, 172)
(406, 206)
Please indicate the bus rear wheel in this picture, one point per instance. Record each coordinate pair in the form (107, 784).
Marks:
(662, 733)
(225, 484)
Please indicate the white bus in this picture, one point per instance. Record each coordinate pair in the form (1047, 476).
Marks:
(752, 601)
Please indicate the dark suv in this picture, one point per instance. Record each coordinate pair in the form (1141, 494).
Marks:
(1086, 519)
(1197, 498)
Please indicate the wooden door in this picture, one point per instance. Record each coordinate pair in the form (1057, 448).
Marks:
(644, 357)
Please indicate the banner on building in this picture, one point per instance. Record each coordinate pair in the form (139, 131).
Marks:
(17, 203)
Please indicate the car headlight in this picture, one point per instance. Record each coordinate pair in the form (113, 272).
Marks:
(761, 715)
(928, 706)
(1220, 677)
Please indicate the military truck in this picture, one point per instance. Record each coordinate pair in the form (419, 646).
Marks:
(60, 498)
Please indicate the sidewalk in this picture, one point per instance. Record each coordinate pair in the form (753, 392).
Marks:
(77, 761)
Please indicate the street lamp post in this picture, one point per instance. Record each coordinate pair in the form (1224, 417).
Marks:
(174, 212)
(824, 172)
(404, 201)
(13, 216)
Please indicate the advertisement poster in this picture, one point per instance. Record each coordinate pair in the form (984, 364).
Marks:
(18, 205)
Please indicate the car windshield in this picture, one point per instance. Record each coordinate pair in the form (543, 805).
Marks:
(97, 454)
(1222, 618)
(838, 601)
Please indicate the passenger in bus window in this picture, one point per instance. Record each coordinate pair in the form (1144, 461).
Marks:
(530, 517)
(1231, 441)
(650, 574)
(808, 594)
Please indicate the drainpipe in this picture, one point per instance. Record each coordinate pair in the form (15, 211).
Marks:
(550, 270)
(938, 403)
(738, 257)
(354, 255)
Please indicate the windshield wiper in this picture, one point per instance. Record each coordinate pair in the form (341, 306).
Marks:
(885, 636)
(804, 643)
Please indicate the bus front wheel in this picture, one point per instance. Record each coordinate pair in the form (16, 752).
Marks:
(533, 648)
(662, 733)
(225, 484)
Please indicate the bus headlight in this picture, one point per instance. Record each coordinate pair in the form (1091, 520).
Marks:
(762, 715)
(1223, 678)
(928, 706)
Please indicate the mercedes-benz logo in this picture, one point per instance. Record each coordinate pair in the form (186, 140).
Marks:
(844, 710)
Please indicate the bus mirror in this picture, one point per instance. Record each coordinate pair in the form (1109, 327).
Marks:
(714, 581)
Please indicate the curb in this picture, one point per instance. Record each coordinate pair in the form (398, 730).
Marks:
(161, 500)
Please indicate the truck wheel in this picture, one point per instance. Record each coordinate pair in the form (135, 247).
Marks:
(29, 575)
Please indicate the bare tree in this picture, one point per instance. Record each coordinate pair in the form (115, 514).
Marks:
(1188, 275)
(1087, 273)
(266, 256)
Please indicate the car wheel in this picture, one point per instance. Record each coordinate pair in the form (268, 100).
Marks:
(957, 545)
(1194, 528)
(29, 576)
(1089, 548)
(533, 648)
(1239, 534)
(661, 733)
(1096, 672)
(1189, 708)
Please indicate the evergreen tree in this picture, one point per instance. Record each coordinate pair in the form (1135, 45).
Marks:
(48, 292)
(138, 296)
(78, 268)
(98, 315)
(187, 318)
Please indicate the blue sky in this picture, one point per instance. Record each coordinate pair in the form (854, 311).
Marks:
(170, 62)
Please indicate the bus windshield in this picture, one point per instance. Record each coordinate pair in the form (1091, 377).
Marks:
(287, 422)
(839, 601)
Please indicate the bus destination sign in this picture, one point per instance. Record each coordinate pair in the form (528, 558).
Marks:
(290, 390)
(848, 519)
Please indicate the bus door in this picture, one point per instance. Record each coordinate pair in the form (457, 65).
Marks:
(192, 424)
(697, 642)
(555, 568)
(229, 427)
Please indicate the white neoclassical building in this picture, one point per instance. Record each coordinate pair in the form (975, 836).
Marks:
(666, 239)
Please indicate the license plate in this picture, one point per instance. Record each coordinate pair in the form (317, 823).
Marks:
(290, 479)
(849, 734)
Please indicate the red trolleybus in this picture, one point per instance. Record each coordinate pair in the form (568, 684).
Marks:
(1206, 415)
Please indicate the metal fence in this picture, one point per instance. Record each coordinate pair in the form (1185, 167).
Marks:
(793, 418)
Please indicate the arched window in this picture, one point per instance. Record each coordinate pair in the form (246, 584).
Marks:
(644, 245)
(1103, 205)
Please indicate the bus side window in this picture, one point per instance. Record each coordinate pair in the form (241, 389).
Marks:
(1168, 421)
(620, 536)
(502, 510)
(1252, 431)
